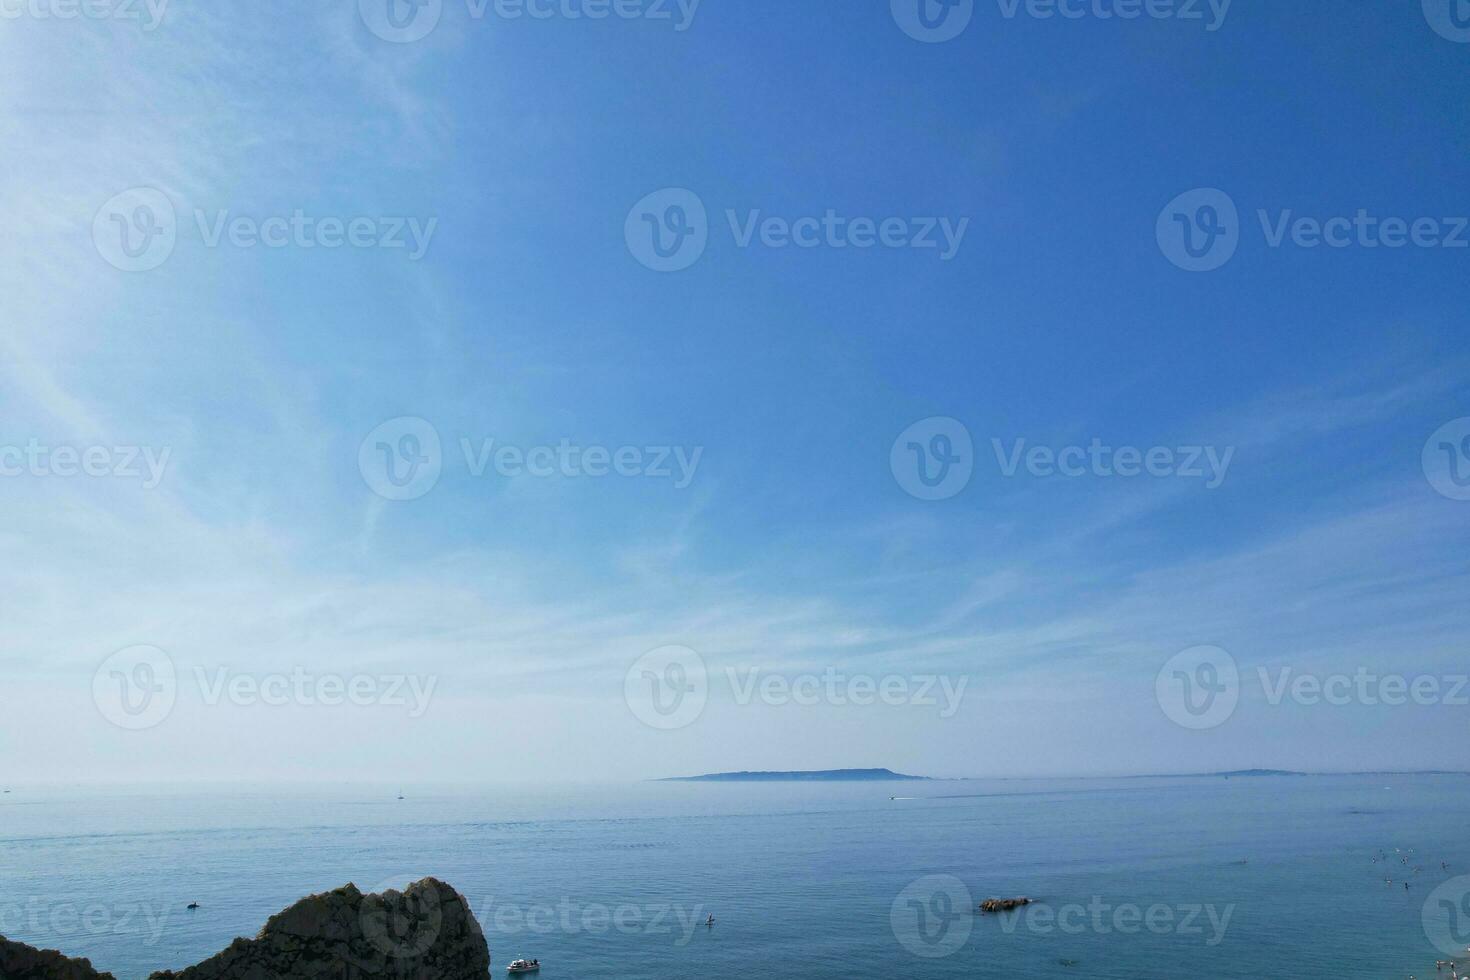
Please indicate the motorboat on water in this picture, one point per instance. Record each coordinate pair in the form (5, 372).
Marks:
(523, 966)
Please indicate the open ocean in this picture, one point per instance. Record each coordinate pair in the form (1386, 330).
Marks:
(1138, 878)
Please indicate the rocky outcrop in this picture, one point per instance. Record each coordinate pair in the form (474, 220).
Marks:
(21, 962)
(425, 932)
(993, 905)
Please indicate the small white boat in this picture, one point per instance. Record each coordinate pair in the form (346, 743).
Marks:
(523, 966)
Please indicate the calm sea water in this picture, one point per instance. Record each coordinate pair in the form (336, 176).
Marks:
(1134, 878)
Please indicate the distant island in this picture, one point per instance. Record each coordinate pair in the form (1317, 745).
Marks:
(799, 776)
(1244, 773)
(879, 775)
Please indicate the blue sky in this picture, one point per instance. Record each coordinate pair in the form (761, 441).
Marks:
(793, 549)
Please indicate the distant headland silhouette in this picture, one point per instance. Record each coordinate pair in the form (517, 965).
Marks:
(809, 775)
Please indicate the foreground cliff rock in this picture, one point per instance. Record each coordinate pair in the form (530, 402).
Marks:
(21, 962)
(425, 932)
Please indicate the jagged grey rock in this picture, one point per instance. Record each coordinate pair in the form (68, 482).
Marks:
(425, 932)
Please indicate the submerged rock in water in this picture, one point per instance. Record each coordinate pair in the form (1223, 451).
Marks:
(425, 932)
(21, 962)
(1002, 904)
